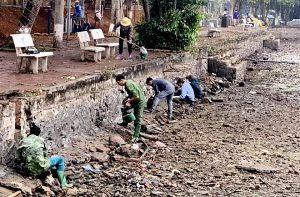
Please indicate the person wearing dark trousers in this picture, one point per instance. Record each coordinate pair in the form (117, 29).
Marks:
(162, 89)
(187, 92)
(125, 33)
(195, 85)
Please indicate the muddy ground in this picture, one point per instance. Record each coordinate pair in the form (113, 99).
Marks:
(246, 143)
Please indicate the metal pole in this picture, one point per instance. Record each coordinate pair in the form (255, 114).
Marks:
(68, 18)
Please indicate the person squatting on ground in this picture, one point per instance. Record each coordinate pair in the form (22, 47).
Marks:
(195, 85)
(162, 89)
(187, 92)
(32, 157)
(135, 100)
(125, 33)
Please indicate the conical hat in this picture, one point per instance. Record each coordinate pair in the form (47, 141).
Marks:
(125, 22)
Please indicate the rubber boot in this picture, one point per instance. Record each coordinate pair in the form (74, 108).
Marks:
(62, 180)
(137, 131)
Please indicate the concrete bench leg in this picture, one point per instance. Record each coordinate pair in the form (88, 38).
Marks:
(112, 52)
(44, 64)
(96, 56)
(99, 55)
(82, 56)
(35, 65)
(19, 64)
(107, 52)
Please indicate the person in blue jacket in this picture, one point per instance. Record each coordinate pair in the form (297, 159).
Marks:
(195, 85)
(78, 10)
(187, 92)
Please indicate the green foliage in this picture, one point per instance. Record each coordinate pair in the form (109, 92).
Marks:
(176, 30)
(108, 74)
(182, 4)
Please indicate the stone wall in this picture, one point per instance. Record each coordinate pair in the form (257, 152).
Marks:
(7, 130)
(81, 108)
(227, 59)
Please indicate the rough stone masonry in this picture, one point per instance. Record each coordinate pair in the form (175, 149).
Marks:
(79, 108)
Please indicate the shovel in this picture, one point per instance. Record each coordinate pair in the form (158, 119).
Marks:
(143, 50)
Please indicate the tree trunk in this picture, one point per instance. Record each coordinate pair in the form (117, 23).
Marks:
(58, 24)
(30, 13)
(116, 11)
(129, 8)
(113, 11)
(146, 9)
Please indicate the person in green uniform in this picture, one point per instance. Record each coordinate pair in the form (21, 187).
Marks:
(135, 100)
(32, 157)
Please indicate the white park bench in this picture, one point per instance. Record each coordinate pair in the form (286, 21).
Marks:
(23, 41)
(246, 26)
(84, 40)
(110, 47)
(111, 28)
(212, 31)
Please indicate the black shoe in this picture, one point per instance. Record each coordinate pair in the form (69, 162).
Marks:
(123, 124)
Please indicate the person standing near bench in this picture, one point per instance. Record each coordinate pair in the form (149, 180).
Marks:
(125, 33)
(135, 100)
(162, 89)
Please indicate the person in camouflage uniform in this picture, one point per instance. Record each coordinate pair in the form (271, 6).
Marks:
(135, 100)
(32, 157)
